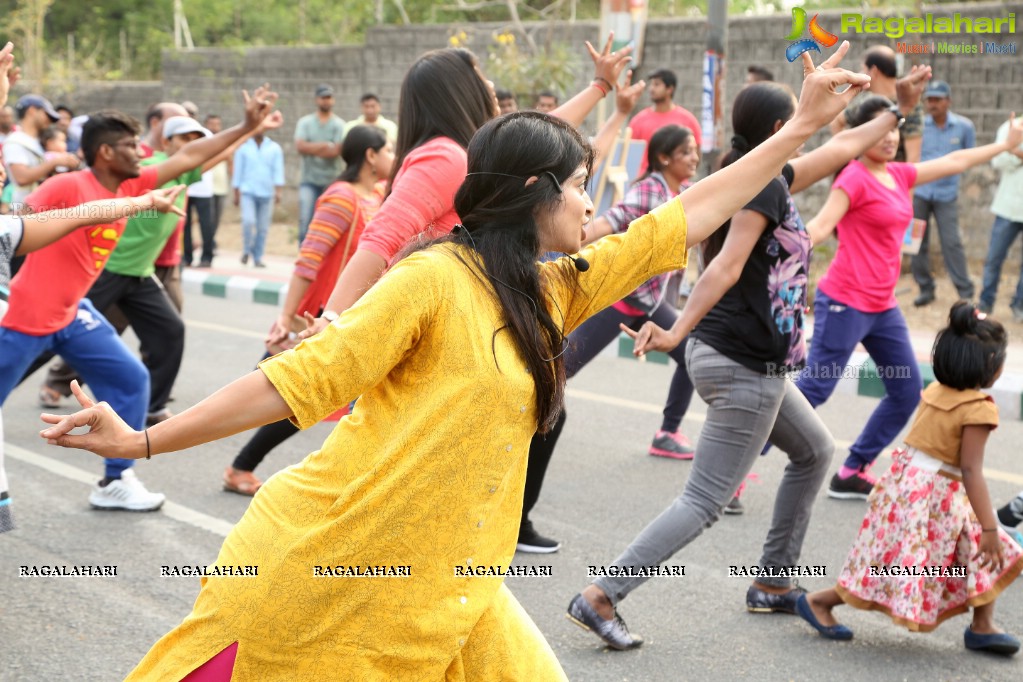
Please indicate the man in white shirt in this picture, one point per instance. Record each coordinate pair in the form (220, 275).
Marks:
(24, 157)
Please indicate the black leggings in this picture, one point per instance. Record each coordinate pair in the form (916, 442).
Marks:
(584, 344)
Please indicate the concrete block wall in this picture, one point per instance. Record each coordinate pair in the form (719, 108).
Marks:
(985, 87)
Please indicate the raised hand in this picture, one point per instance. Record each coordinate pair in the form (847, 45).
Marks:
(108, 435)
(273, 121)
(628, 94)
(7, 78)
(609, 65)
(258, 106)
(911, 87)
(820, 101)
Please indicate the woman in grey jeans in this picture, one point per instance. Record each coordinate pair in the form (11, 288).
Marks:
(745, 316)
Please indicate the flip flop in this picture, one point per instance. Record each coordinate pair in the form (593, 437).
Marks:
(241, 482)
(837, 632)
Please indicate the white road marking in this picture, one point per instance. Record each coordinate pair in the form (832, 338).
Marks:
(174, 510)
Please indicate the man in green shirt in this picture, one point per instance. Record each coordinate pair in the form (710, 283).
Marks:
(318, 141)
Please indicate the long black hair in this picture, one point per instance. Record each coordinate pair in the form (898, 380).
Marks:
(755, 111)
(969, 352)
(500, 214)
(664, 142)
(442, 95)
(353, 149)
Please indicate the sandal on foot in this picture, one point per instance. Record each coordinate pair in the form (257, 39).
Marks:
(839, 632)
(49, 398)
(241, 482)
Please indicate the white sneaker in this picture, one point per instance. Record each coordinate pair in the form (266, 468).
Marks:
(126, 493)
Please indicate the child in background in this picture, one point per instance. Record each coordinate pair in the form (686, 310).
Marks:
(54, 142)
(932, 509)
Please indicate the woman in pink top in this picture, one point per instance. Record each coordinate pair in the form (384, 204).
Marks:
(871, 206)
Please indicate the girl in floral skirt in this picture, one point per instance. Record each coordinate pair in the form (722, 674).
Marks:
(930, 546)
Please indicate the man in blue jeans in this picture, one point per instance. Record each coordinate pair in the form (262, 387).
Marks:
(318, 141)
(944, 133)
(257, 181)
(48, 311)
(1008, 209)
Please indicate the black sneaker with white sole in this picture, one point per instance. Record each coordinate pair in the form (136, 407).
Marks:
(532, 542)
(856, 487)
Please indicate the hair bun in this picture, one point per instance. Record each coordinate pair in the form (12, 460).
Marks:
(962, 319)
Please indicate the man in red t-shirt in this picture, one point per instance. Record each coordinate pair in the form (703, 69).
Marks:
(47, 310)
(661, 85)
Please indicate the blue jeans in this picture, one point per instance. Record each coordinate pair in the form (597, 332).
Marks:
(256, 214)
(308, 193)
(837, 328)
(1003, 234)
(92, 347)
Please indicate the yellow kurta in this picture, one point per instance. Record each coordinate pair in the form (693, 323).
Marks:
(427, 473)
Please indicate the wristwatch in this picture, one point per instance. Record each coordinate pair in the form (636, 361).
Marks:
(898, 115)
(329, 315)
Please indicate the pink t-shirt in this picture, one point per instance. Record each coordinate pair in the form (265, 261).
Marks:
(866, 265)
(422, 200)
(649, 121)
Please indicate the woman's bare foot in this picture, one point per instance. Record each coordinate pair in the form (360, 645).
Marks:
(821, 610)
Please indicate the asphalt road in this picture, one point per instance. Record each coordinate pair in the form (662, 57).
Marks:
(601, 490)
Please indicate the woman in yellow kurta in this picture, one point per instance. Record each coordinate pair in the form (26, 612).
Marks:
(456, 354)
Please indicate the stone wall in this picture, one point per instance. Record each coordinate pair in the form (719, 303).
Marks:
(985, 87)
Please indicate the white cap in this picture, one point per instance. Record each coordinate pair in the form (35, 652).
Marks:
(182, 125)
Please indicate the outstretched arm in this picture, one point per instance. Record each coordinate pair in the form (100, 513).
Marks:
(713, 200)
(838, 151)
(42, 229)
(722, 273)
(959, 161)
(214, 418)
(196, 153)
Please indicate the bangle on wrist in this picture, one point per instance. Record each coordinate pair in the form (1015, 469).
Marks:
(149, 453)
(606, 82)
(598, 86)
(989, 530)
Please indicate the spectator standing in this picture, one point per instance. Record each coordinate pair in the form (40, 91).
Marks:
(258, 178)
(6, 122)
(24, 156)
(221, 174)
(546, 102)
(944, 133)
(662, 85)
(200, 198)
(756, 73)
(318, 141)
(506, 102)
(370, 116)
(1008, 210)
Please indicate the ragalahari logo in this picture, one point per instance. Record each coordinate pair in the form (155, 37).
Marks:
(818, 36)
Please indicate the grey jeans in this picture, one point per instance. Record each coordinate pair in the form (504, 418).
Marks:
(744, 409)
(946, 216)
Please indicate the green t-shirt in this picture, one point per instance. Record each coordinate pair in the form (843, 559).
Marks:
(317, 170)
(145, 236)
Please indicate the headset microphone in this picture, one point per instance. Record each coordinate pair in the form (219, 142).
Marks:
(581, 264)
